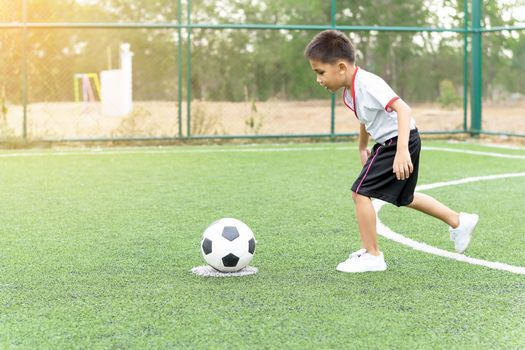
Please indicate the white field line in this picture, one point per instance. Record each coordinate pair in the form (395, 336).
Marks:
(394, 236)
(476, 153)
(132, 151)
(242, 149)
(494, 145)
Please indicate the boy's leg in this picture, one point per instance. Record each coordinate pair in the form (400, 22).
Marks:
(366, 220)
(369, 258)
(428, 205)
(461, 224)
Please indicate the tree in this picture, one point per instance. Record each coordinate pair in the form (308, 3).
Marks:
(236, 65)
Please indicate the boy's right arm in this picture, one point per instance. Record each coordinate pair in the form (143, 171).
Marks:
(364, 151)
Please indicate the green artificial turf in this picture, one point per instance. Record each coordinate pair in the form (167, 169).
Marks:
(96, 250)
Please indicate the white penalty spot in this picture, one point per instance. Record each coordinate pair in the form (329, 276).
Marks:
(208, 271)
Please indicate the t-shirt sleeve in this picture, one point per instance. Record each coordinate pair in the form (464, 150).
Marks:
(380, 94)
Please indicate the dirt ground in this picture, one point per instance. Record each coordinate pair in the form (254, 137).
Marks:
(160, 119)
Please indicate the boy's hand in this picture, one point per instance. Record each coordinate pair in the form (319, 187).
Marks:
(364, 154)
(402, 164)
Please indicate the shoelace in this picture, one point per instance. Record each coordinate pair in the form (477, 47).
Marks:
(357, 254)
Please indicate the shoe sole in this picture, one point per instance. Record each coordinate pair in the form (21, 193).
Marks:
(378, 269)
(469, 236)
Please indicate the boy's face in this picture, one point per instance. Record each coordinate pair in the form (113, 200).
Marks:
(331, 76)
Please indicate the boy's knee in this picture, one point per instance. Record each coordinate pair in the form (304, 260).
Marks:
(357, 197)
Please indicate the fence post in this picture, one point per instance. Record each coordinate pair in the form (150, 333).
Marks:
(25, 70)
(476, 96)
(332, 103)
(188, 73)
(179, 65)
(465, 64)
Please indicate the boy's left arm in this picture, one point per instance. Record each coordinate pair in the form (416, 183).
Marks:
(402, 162)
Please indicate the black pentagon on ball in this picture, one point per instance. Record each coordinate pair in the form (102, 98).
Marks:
(251, 246)
(230, 233)
(206, 246)
(230, 260)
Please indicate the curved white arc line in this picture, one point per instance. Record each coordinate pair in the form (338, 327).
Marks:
(467, 180)
(386, 232)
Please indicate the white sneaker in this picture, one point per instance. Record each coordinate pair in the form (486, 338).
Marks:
(461, 235)
(361, 261)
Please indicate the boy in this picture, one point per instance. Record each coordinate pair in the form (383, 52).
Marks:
(390, 170)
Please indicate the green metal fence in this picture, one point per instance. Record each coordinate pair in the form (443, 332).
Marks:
(186, 116)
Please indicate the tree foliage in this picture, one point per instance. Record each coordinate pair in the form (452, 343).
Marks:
(247, 65)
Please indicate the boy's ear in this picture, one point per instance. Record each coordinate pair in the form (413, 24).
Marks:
(343, 67)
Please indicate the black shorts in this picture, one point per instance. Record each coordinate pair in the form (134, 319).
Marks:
(377, 179)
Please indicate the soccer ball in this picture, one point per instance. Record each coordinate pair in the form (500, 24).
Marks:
(228, 245)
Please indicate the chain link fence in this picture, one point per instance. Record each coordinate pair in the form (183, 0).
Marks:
(65, 102)
(210, 69)
(504, 97)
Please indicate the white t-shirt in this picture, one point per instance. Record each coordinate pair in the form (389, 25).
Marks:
(370, 100)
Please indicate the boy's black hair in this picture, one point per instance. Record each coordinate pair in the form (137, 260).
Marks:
(330, 46)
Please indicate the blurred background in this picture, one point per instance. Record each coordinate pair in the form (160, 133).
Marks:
(239, 69)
